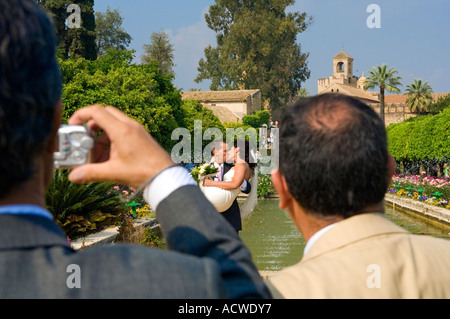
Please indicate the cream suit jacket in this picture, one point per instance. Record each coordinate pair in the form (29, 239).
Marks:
(368, 256)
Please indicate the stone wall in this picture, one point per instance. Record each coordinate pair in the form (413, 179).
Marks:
(438, 215)
(394, 113)
(254, 103)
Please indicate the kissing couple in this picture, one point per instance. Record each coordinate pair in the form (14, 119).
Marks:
(237, 173)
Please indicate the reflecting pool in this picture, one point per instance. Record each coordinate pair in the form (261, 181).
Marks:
(275, 243)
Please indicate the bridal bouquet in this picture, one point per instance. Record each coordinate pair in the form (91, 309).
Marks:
(204, 171)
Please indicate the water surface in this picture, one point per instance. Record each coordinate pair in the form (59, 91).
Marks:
(275, 242)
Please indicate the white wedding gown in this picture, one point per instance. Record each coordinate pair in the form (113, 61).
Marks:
(222, 199)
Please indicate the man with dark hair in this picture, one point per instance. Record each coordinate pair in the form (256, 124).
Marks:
(334, 171)
(30, 89)
(206, 259)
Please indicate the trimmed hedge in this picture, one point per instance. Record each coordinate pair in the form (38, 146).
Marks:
(421, 141)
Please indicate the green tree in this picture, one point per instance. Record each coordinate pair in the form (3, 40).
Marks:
(256, 48)
(160, 50)
(251, 120)
(257, 120)
(57, 10)
(110, 33)
(419, 96)
(81, 41)
(75, 41)
(140, 91)
(385, 79)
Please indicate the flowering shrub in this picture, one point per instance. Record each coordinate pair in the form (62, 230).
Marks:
(128, 193)
(427, 189)
(144, 212)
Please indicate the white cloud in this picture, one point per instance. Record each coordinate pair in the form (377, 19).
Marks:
(189, 43)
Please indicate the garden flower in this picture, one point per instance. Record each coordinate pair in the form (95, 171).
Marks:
(401, 186)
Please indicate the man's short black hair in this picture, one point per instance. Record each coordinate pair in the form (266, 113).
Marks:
(333, 155)
(30, 86)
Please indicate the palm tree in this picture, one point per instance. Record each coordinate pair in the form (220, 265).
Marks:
(419, 96)
(303, 92)
(385, 79)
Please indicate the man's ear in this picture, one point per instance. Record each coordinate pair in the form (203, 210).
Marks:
(283, 191)
(56, 122)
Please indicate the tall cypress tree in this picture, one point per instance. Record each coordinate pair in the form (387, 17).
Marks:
(78, 41)
(81, 41)
(160, 50)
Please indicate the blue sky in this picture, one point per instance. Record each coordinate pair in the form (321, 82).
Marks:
(413, 37)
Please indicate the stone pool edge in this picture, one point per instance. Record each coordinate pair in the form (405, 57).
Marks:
(435, 214)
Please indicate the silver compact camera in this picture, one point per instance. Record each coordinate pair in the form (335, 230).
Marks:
(74, 146)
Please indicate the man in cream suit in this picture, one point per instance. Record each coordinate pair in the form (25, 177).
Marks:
(205, 259)
(334, 171)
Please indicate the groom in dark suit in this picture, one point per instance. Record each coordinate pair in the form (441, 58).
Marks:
(205, 259)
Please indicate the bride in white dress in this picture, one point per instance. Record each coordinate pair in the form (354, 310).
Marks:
(222, 193)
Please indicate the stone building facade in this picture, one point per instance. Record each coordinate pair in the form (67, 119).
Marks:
(395, 108)
(228, 106)
(343, 81)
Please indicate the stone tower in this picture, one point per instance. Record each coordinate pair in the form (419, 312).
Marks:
(343, 81)
(342, 73)
(343, 68)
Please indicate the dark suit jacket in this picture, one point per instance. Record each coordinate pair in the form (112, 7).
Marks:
(233, 214)
(206, 259)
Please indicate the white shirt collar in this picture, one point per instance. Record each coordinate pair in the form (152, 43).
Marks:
(316, 236)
